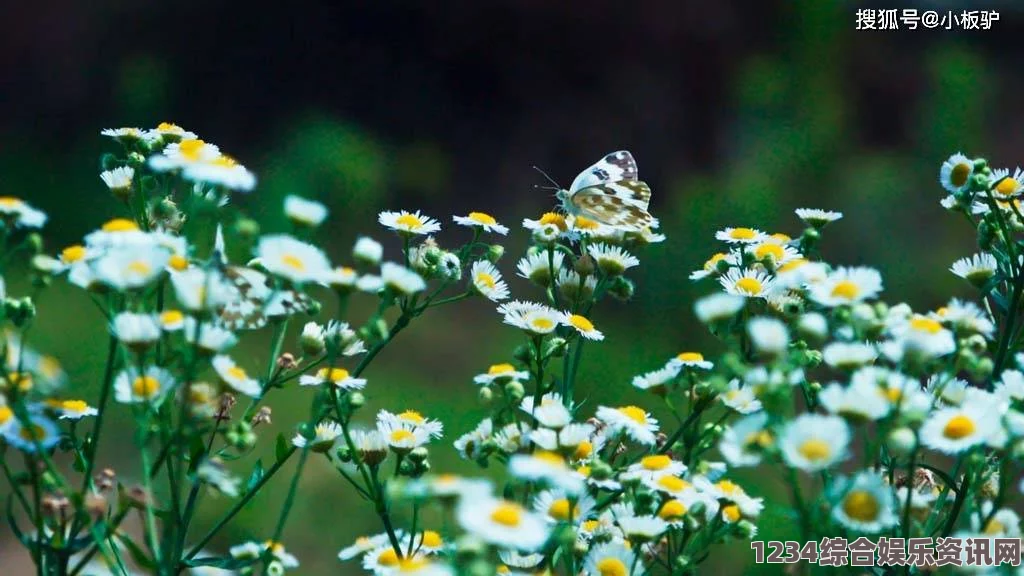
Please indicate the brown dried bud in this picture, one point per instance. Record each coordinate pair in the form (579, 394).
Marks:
(54, 504)
(261, 417)
(227, 402)
(96, 506)
(287, 361)
(105, 479)
(137, 496)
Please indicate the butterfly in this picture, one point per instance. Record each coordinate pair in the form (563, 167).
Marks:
(609, 192)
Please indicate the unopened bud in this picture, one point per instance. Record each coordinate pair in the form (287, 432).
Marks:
(262, 417)
(287, 361)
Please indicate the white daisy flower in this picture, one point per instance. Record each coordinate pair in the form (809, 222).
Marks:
(236, 377)
(861, 400)
(847, 286)
(409, 222)
(657, 380)
(401, 279)
(537, 266)
(741, 236)
(487, 281)
(547, 467)
(426, 542)
(538, 321)
(135, 330)
(211, 338)
(199, 290)
(118, 180)
(471, 444)
(557, 506)
(116, 233)
(816, 217)
(1010, 386)
(254, 549)
(292, 259)
(580, 439)
(812, 442)
(742, 399)
(434, 428)
(976, 269)
(304, 212)
(799, 273)
(641, 529)
(949, 391)
(503, 523)
(612, 260)
(483, 221)
(343, 279)
(548, 218)
(956, 429)
(335, 376)
(711, 265)
(582, 325)
(151, 386)
(367, 250)
(865, 503)
(362, 545)
(40, 431)
(19, 213)
(371, 445)
(580, 225)
(519, 561)
(512, 437)
(955, 173)
(966, 318)
(324, 435)
(1005, 523)
(573, 286)
(741, 504)
(744, 442)
(652, 467)
(849, 355)
(382, 560)
(213, 472)
(1005, 186)
(633, 421)
(71, 409)
(717, 307)
(612, 559)
(168, 132)
(924, 336)
(187, 152)
(768, 335)
(749, 283)
(551, 412)
(402, 436)
(773, 253)
(125, 135)
(498, 373)
(130, 268)
(222, 171)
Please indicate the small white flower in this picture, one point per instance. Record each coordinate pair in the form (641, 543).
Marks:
(213, 472)
(292, 259)
(135, 330)
(256, 549)
(335, 376)
(433, 428)
(324, 435)
(409, 222)
(487, 281)
(817, 217)
(744, 442)
(657, 380)
(749, 283)
(612, 558)
(211, 338)
(503, 523)
(924, 336)
(71, 409)
(368, 250)
(740, 398)
(362, 545)
(847, 286)
(151, 386)
(222, 171)
(865, 503)
(654, 466)
(861, 400)
(236, 377)
(402, 436)
(612, 260)
(129, 268)
(711, 265)
(304, 212)
(119, 179)
(849, 355)
(500, 373)
(813, 324)
(768, 335)
(537, 266)
(812, 442)
(635, 422)
(199, 290)
(976, 269)
(550, 413)
(1004, 186)
(40, 431)
(470, 445)
(548, 467)
(955, 173)
(582, 325)
(642, 528)
(20, 213)
(188, 151)
(555, 506)
(717, 307)
(483, 221)
(741, 236)
(401, 279)
(956, 429)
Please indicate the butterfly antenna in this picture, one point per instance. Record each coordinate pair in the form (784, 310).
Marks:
(549, 178)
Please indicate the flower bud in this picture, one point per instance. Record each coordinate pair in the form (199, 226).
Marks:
(901, 441)
(584, 265)
(247, 228)
(356, 400)
(554, 347)
(367, 251)
(495, 252)
(515, 390)
(622, 288)
(485, 395)
(312, 339)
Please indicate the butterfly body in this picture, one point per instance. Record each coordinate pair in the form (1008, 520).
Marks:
(609, 192)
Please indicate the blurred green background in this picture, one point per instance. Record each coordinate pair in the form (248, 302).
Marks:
(738, 112)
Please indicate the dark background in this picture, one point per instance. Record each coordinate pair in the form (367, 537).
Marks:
(738, 112)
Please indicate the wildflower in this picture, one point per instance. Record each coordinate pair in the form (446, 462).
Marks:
(976, 269)
(740, 398)
(168, 132)
(136, 331)
(712, 266)
(433, 428)
(39, 432)
(236, 377)
(849, 355)
(130, 268)
(367, 250)
(956, 429)
(748, 283)
(119, 180)
(799, 273)
(612, 559)
(336, 376)
(401, 280)
(847, 286)
(124, 135)
(20, 214)
(642, 529)
(865, 503)
(199, 290)
(635, 422)
(812, 442)
(71, 409)
(535, 319)
(741, 235)
(213, 472)
(470, 445)
(324, 435)
(772, 253)
(304, 212)
(208, 337)
(503, 523)
(371, 446)
(717, 307)
(409, 223)
(582, 325)
(922, 335)
(537, 266)
(744, 442)
(548, 218)
(292, 259)
(551, 412)
(860, 400)
(1003, 186)
(483, 221)
(117, 233)
(499, 373)
(150, 386)
(362, 545)
(652, 467)
(657, 380)
(556, 507)
(965, 318)
(612, 260)
(450, 267)
(187, 152)
(428, 542)
(171, 320)
(255, 550)
(548, 467)
(487, 281)
(768, 335)
(816, 217)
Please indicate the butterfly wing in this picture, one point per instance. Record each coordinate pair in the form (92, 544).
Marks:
(615, 167)
(247, 311)
(620, 204)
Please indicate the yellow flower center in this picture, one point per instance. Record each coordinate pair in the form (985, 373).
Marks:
(32, 433)
(673, 483)
(21, 380)
(507, 514)
(656, 462)
(146, 386)
(410, 221)
(168, 317)
(583, 450)
(582, 223)
(332, 374)
(581, 323)
(120, 225)
(742, 234)
(635, 414)
(412, 564)
(728, 487)
(553, 218)
(1007, 186)
(432, 539)
(72, 254)
(815, 450)
(500, 369)
(672, 510)
(237, 373)
(168, 127)
(224, 161)
(292, 261)
(5, 414)
(402, 435)
(713, 261)
(690, 357)
(559, 510)
(781, 238)
(959, 426)
(845, 289)
(861, 505)
(140, 267)
(893, 395)
(922, 324)
(761, 438)
(542, 324)
(749, 285)
(178, 262)
(611, 567)
(412, 416)
(958, 175)
(482, 218)
(549, 458)
(485, 279)
(74, 406)
(590, 525)
(388, 557)
(10, 202)
(769, 250)
(731, 513)
(792, 265)
(190, 149)
(994, 527)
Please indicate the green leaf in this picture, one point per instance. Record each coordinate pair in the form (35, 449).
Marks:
(226, 563)
(255, 477)
(281, 450)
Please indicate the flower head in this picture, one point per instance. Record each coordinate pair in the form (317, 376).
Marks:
(483, 221)
(410, 223)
